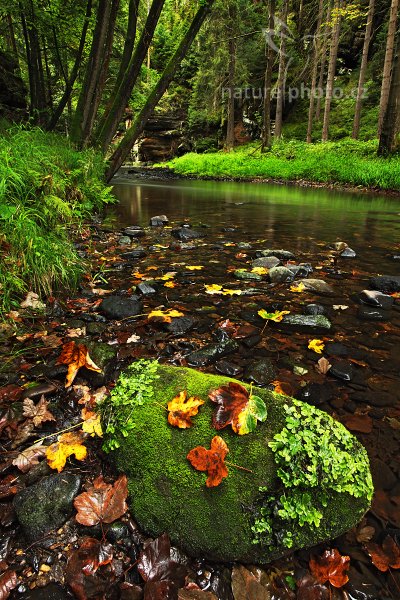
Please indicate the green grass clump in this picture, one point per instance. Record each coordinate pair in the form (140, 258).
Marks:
(46, 190)
(345, 162)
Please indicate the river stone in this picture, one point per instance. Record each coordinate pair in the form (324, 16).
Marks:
(261, 372)
(168, 495)
(134, 254)
(268, 262)
(159, 221)
(375, 298)
(46, 505)
(124, 240)
(280, 275)
(209, 354)
(314, 309)
(307, 321)
(186, 234)
(281, 254)
(385, 283)
(134, 231)
(318, 286)
(247, 275)
(119, 307)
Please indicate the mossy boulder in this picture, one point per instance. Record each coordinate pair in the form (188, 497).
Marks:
(313, 484)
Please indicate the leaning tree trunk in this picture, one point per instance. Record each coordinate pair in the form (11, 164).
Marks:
(280, 86)
(230, 128)
(316, 57)
(109, 123)
(363, 69)
(388, 141)
(331, 69)
(266, 138)
(140, 121)
(387, 67)
(129, 44)
(327, 34)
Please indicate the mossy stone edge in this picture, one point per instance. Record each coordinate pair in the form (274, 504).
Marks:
(168, 495)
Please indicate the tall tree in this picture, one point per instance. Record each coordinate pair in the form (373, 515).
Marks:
(389, 139)
(280, 86)
(363, 69)
(387, 66)
(326, 36)
(266, 138)
(332, 67)
(316, 57)
(230, 121)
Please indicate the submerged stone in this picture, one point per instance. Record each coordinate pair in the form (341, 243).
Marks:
(119, 307)
(281, 254)
(268, 262)
(247, 275)
(307, 321)
(385, 283)
(319, 286)
(281, 275)
(251, 516)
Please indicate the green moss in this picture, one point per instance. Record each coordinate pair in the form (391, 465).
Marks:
(167, 494)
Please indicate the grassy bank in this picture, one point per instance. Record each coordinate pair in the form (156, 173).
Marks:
(347, 162)
(47, 189)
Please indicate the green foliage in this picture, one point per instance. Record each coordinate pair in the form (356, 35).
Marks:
(134, 388)
(46, 190)
(315, 457)
(347, 162)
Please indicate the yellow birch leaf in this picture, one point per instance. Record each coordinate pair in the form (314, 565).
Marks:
(194, 267)
(316, 345)
(68, 444)
(165, 315)
(92, 423)
(298, 288)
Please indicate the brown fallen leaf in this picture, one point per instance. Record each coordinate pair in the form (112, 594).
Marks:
(29, 457)
(82, 566)
(246, 587)
(75, 356)
(323, 365)
(9, 486)
(102, 502)
(384, 557)
(8, 582)
(212, 461)
(332, 567)
(361, 423)
(37, 412)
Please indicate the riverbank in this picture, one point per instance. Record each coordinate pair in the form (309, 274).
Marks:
(47, 189)
(347, 164)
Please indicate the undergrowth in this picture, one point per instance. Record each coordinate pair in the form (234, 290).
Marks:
(47, 189)
(345, 162)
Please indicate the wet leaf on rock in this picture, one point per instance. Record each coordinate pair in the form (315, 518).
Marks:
(29, 457)
(181, 409)
(332, 567)
(102, 502)
(37, 412)
(75, 356)
(8, 581)
(163, 576)
(384, 557)
(212, 461)
(68, 444)
(276, 316)
(237, 407)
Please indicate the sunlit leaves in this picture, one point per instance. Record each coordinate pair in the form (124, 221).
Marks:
(214, 288)
(75, 356)
(212, 461)
(165, 316)
(237, 407)
(68, 444)
(103, 502)
(181, 409)
(316, 345)
(332, 567)
(276, 316)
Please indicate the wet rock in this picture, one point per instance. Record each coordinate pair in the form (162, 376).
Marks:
(316, 393)
(95, 328)
(261, 372)
(52, 591)
(375, 298)
(180, 325)
(118, 307)
(307, 321)
(134, 231)
(247, 275)
(185, 234)
(159, 221)
(281, 254)
(226, 368)
(47, 504)
(367, 313)
(318, 286)
(39, 390)
(301, 270)
(280, 275)
(342, 370)
(145, 289)
(117, 531)
(268, 262)
(209, 354)
(348, 253)
(315, 309)
(244, 246)
(385, 283)
(124, 240)
(134, 254)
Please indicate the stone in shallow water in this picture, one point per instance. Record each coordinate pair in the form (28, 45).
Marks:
(385, 283)
(319, 286)
(124, 240)
(375, 298)
(118, 307)
(314, 309)
(307, 321)
(281, 275)
(367, 313)
(134, 254)
(168, 494)
(268, 262)
(185, 234)
(261, 372)
(247, 275)
(209, 354)
(46, 505)
(135, 231)
(159, 221)
(281, 254)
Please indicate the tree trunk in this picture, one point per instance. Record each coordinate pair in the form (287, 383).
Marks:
(266, 139)
(230, 129)
(316, 57)
(140, 121)
(387, 67)
(13, 41)
(109, 123)
(363, 69)
(129, 44)
(280, 86)
(388, 141)
(37, 88)
(331, 69)
(74, 73)
(327, 33)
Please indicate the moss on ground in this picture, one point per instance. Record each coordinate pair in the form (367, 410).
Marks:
(167, 494)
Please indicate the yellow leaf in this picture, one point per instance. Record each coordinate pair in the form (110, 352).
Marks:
(138, 275)
(298, 288)
(67, 445)
(213, 288)
(167, 276)
(259, 270)
(170, 284)
(166, 316)
(75, 356)
(229, 292)
(276, 316)
(181, 408)
(92, 423)
(194, 267)
(316, 345)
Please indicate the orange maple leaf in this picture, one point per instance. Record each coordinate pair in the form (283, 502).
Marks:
(332, 567)
(181, 408)
(212, 461)
(75, 356)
